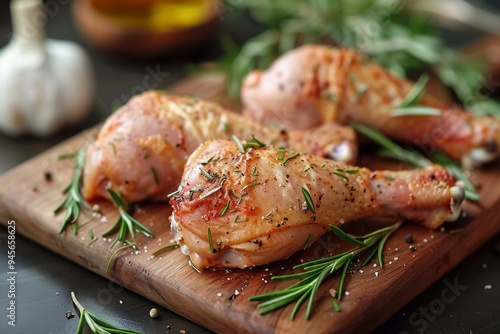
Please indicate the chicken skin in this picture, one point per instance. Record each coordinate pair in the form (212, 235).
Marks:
(141, 149)
(315, 84)
(238, 209)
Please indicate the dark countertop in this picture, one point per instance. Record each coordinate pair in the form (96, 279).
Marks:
(44, 279)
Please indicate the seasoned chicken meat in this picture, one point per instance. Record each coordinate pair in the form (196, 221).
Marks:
(142, 148)
(240, 209)
(315, 84)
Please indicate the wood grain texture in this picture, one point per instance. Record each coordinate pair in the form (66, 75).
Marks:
(218, 300)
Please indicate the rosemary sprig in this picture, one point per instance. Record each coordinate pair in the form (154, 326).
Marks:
(96, 324)
(413, 157)
(74, 202)
(125, 222)
(315, 272)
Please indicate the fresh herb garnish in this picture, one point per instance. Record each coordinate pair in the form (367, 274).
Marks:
(253, 184)
(308, 199)
(308, 241)
(416, 93)
(239, 143)
(405, 44)
(92, 237)
(414, 158)
(94, 323)
(212, 159)
(174, 194)
(210, 241)
(342, 176)
(410, 107)
(74, 202)
(293, 156)
(155, 176)
(192, 191)
(125, 222)
(128, 244)
(206, 174)
(224, 209)
(211, 192)
(254, 171)
(250, 143)
(165, 248)
(254, 142)
(315, 272)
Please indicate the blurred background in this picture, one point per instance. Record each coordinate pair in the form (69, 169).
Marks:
(137, 45)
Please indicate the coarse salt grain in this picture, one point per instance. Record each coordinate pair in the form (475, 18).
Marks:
(236, 292)
(347, 293)
(487, 287)
(376, 273)
(219, 294)
(104, 219)
(374, 265)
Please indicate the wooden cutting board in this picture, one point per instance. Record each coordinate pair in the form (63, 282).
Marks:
(218, 300)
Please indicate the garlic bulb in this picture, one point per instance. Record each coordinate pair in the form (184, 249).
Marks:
(44, 84)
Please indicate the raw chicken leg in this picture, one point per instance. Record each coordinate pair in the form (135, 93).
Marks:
(142, 148)
(262, 205)
(315, 84)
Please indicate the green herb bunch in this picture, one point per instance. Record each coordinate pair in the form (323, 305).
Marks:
(401, 40)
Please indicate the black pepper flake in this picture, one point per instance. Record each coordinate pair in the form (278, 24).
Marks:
(48, 176)
(69, 315)
(409, 238)
(413, 248)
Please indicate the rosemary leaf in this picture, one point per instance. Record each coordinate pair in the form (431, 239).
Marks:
(224, 209)
(416, 111)
(128, 245)
(211, 192)
(341, 176)
(253, 184)
(155, 176)
(206, 174)
(165, 248)
(293, 156)
(174, 194)
(308, 241)
(238, 143)
(415, 93)
(210, 241)
(94, 323)
(308, 199)
(345, 236)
